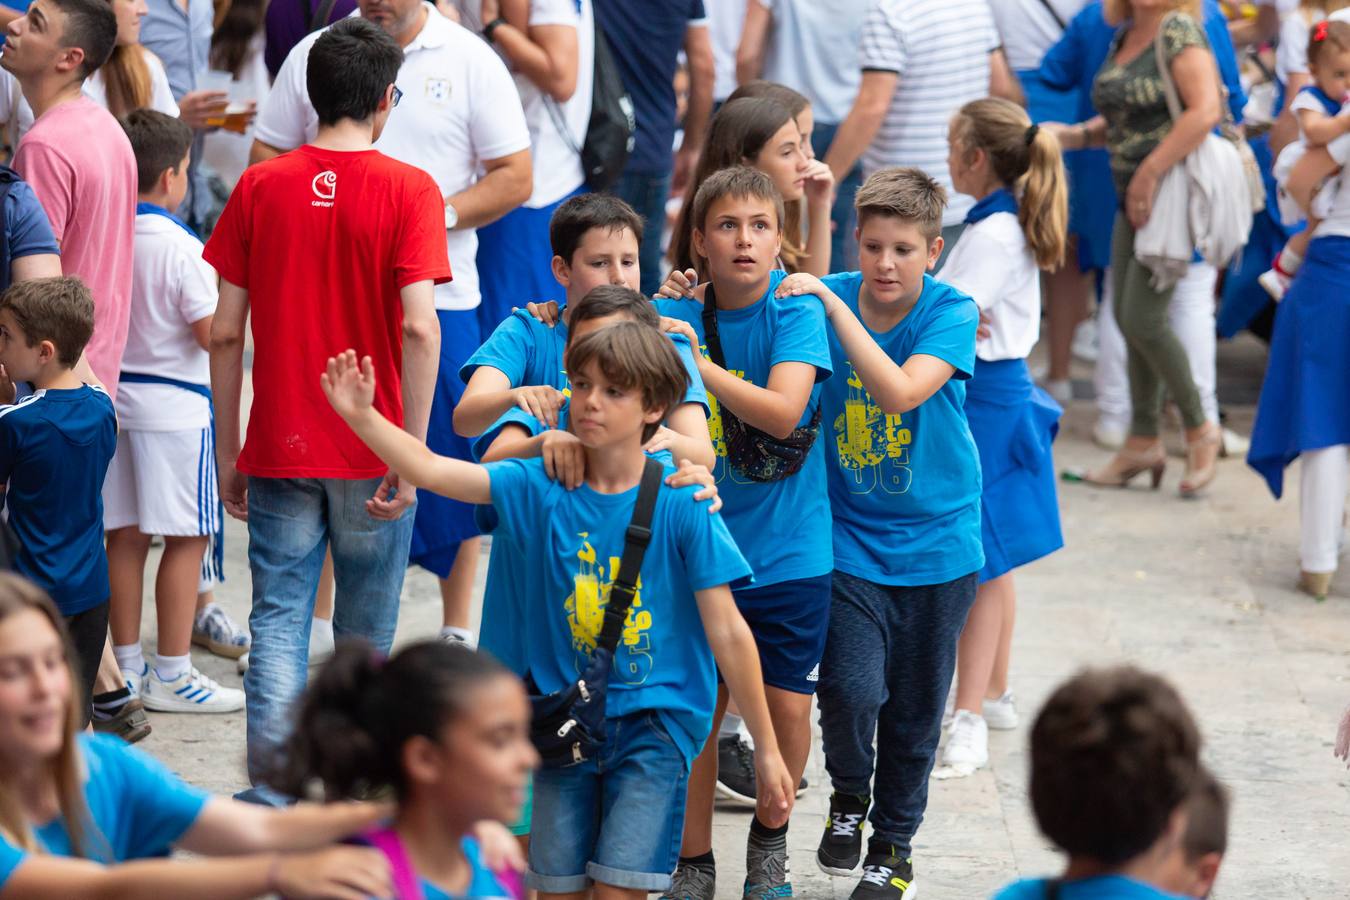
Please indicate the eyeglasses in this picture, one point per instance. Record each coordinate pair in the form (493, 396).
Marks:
(398, 95)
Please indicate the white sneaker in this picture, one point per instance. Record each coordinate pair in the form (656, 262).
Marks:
(1001, 714)
(967, 743)
(135, 680)
(1234, 445)
(190, 692)
(1059, 388)
(1109, 437)
(1085, 345)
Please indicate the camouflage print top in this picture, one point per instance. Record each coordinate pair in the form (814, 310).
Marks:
(1132, 100)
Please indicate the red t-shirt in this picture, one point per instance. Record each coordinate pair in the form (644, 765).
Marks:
(323, 241)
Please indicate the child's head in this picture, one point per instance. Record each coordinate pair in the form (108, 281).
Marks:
(899, 232)
(39, 715)
(992, 144)
(1194, 866)
(737, 220)
(595, 239)
(1114, 760)
(607, 304)
(161, 144)
(795, 101)
(351, 73)
(44, 325)
(758, 132)
(1329, 58)
(625, 378)
(433, 723)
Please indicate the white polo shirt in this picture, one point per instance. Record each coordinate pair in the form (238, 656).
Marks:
(993, 264)
(459, 107)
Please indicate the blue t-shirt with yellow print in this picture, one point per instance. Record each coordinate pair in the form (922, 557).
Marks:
(905, 489)
(663, 661)
(780, 525)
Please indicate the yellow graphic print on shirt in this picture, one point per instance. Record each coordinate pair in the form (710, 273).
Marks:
(873, 445)
(585, 609)
(715, 431)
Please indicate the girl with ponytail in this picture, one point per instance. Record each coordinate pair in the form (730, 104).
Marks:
(441, 730)
(1016, 230)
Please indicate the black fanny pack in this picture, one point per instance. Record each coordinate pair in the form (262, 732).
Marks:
(756, 454)
(568, 726)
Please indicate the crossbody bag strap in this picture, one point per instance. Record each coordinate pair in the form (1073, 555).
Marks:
(710, 335)
(1054, 14)
(1165, 70)
(319, 16)
(639, 535)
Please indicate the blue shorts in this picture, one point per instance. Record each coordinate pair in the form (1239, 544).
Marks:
(617, 819)
(789, 621)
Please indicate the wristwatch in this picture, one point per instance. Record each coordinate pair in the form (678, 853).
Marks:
(451, 217)
(491, 27)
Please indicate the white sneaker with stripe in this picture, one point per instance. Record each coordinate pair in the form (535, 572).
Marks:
(191, 692)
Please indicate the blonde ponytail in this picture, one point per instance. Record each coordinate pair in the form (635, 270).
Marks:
(1028, 160)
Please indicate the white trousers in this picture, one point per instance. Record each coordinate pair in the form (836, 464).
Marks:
(1322, 485)
(1191, 315)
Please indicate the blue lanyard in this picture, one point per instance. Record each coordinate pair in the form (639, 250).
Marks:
(1001, 200)
(154, 209)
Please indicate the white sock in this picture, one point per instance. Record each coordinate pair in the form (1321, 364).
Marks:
(731, 723)
(170, 667)
(130, 657)
(463, 635)
(320, 636)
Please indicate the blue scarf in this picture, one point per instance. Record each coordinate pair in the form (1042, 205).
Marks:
(154, 209)
(1331, 106)
(1001, 200)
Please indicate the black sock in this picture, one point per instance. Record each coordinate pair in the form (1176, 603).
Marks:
(760, 830)
(882, 848)
(703, 861)
(109, 704)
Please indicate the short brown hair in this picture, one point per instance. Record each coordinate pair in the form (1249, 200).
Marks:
(906, 193)
(60, 310)
(575, 217)
(159, 142)
(1207, 827)
(736, 181)
(1327, 33)
(1114, 752)
(633, 355)
(612, 299)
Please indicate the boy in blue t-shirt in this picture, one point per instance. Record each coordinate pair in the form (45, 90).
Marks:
(55, 446)
(905, 493)
(776, 354)
(613, 820)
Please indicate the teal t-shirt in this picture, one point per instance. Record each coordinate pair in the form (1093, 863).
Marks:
(905, 489)
(780, 526)
(137, 808)
(663, 661)
(527, 351)
(484, 885)
(1105, 887)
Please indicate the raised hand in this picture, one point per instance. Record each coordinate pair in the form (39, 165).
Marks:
(349, 388)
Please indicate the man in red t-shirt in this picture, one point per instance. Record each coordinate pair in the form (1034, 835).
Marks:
(330, 246)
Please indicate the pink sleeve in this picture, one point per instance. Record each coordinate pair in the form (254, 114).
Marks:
(52, 179)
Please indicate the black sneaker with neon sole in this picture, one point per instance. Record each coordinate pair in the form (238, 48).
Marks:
(841, 845)
(886, 877)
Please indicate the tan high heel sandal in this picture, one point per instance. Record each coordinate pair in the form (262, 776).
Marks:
(1123, 468)
(1197, 479)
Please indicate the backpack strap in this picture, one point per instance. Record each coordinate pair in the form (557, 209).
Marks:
(624, 586)
(711, 338)
(407, 886)
(318, 16)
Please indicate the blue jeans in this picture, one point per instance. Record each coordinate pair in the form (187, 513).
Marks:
(843, 246)
(888, 664)
(616, 819)
(647, 194)
(291, 523)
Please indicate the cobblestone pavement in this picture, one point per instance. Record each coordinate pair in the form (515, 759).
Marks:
(1202, 591)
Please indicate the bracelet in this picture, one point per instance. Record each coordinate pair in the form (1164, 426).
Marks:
(491, 27)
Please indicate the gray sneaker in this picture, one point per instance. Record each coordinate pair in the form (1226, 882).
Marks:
(691, 883)
(766, 869)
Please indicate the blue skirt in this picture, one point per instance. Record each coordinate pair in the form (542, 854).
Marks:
(1305, 398)
(442, 524)
(515, 264)
(1243, 298)
(1014, 423)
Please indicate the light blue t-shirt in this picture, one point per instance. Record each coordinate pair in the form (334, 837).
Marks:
(483, 885)
(1105, 887)
(905, 489)
(137, 808)
(779, 526)
(663, 661)
(527, 351)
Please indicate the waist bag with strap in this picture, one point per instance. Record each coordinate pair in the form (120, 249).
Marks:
(756, 454)
(568, 725)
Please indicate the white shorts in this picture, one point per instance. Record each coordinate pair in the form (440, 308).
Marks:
(163, 482)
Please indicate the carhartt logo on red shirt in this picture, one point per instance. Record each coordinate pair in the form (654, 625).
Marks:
(325, 188)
